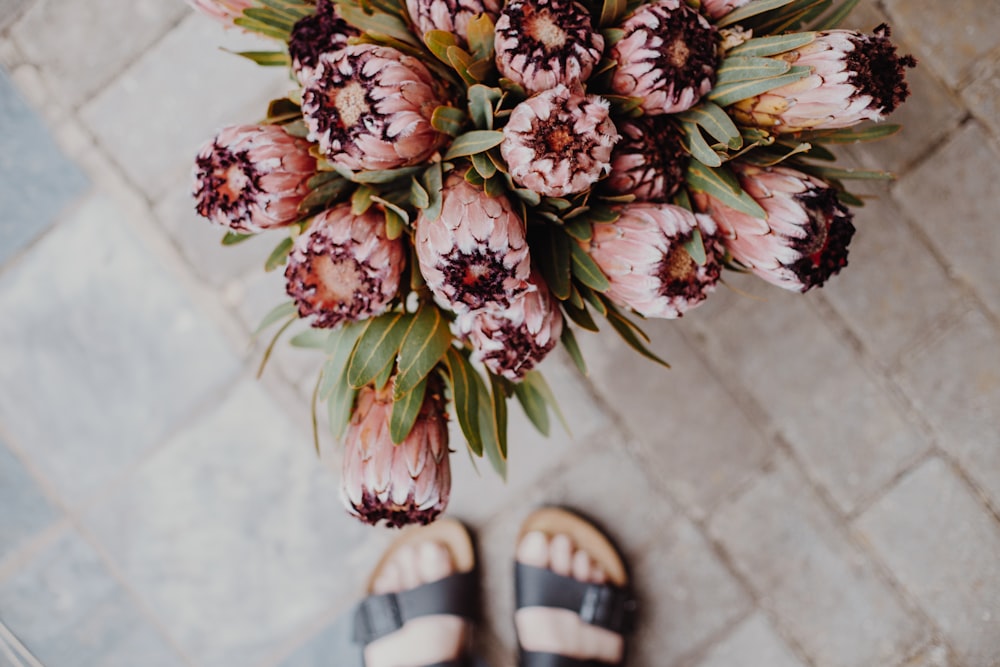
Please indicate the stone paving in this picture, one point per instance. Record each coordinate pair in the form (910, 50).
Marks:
(816, 483)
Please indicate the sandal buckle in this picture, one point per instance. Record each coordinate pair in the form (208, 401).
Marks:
(607, 607)
(377, 616)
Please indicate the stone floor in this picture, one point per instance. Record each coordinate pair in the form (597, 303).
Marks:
(816, 483)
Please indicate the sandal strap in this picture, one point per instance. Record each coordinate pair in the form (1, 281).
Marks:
(380, 615)
(605, 606)
(459, 662)
(532, 659)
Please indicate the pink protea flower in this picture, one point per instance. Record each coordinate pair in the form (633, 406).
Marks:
(642, 254)
(804, 239)
(369, 107)
(649, 162)
(400, 484)
(511, 341)
(559, 142)
(667, 57)
(541, 44)
(252, 177)
(716, 9)
(450, 15)
(222, 10)
(855, 77)
(344, 268)
(322, 32)
(475, 254)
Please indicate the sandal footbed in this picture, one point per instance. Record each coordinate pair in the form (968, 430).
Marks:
(585, 536)
(447, 532)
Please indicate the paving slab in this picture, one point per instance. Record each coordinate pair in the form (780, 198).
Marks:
(894, 289)
(798, 370)
(154, 117)
(943, 546)
(824, 592)
(753, 643)
(80, 47)
(106, 351)
(234, 533)
(955, 383)
(949, 37)
(982, 95)
(68, 611)
(36, 180)
(26, 510)
(958, 184)
(694, 435)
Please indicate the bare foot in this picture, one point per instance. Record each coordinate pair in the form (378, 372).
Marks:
(428, 639)
(562, 631)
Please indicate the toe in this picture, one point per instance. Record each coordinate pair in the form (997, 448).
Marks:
(388, 580)
(434, 561)
(561, 555)
(581, 567)
(598, 575)
(534, 550)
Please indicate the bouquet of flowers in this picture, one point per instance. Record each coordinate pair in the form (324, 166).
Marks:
(457, 184)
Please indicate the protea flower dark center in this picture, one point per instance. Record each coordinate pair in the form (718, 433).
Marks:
(229, 182)
(678, 272)
(351, 102)
(649, 162)
(876, 70)
(315, 35)
(331, 284)
(543, 29)
(828, 234)
(479, 278)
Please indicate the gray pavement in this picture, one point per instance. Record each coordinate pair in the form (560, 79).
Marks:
(815, 483)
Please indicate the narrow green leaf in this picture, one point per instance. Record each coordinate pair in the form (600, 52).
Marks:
(425, 342)
(749, 10)
(418, 195)
(748, 68)
(716, 122)
(448, 120)
(484, 165)
(270, 17)
(266, 58)
(405, 409)
(580, 229)
(497, 390)
(831, 173)
(612, 12)
(627, 330)
(731, 93)
(460, 60)
(396, 218)
(279, 255)
(695, 247)
(380, 24)
(558, 269)
(847, 199)
(376, 348)
(276, 314)
(476, 141)
(696, 145)
(482, 100)
(439, 41)
(465, 397)
(719, 184)
(537, 381)
(382, 176)
(261, 28)
(274, 341)
(339, 407)
(433, 182)
(534, 405)
(580, 316)
(568, 340)
(851, 135)
(232, 238)
(591, 297)
(586, 270)
(323, 196)
(312, 410)
(490, 432)
(313, 339)
(480, 33)
(837, 16)
(602, 214)
(773, 45)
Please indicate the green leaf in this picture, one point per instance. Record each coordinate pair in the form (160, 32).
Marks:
(381, 176)
(279, 255)
(425, 342)
(695, 144)
(749, 10)
(232, 238)
(476, 141)
(847, 199)
(396, 218)
(772, 46)
(439, 41)
(418, 195)
(484, 165)
(361, 200)
(339, 406)
(538, 383)
(266, 58)
(276, 314)
(274, 341)
(832, 173)
(731, 93)
(329, 192)
(497, 390)
(851, 135)
(695, 247)
(489, 430)
(460, 60)
(448, 120)
(481, 104)
(716, 122)
(261, 28)
(496, 186)
(580, 229)
(748, 68)
(312, 410)
(480, 33)
(433, 182)
(405, 409)
(586, 270)
(591, 297)
(379, 24)
(558, 268)
(627, 330)
(377, 348)
(568, 339)
(721, 184)
(534, 405)
(465, 397)
(314, 339)
(837, 16)
(612, 12)
(580, 316)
